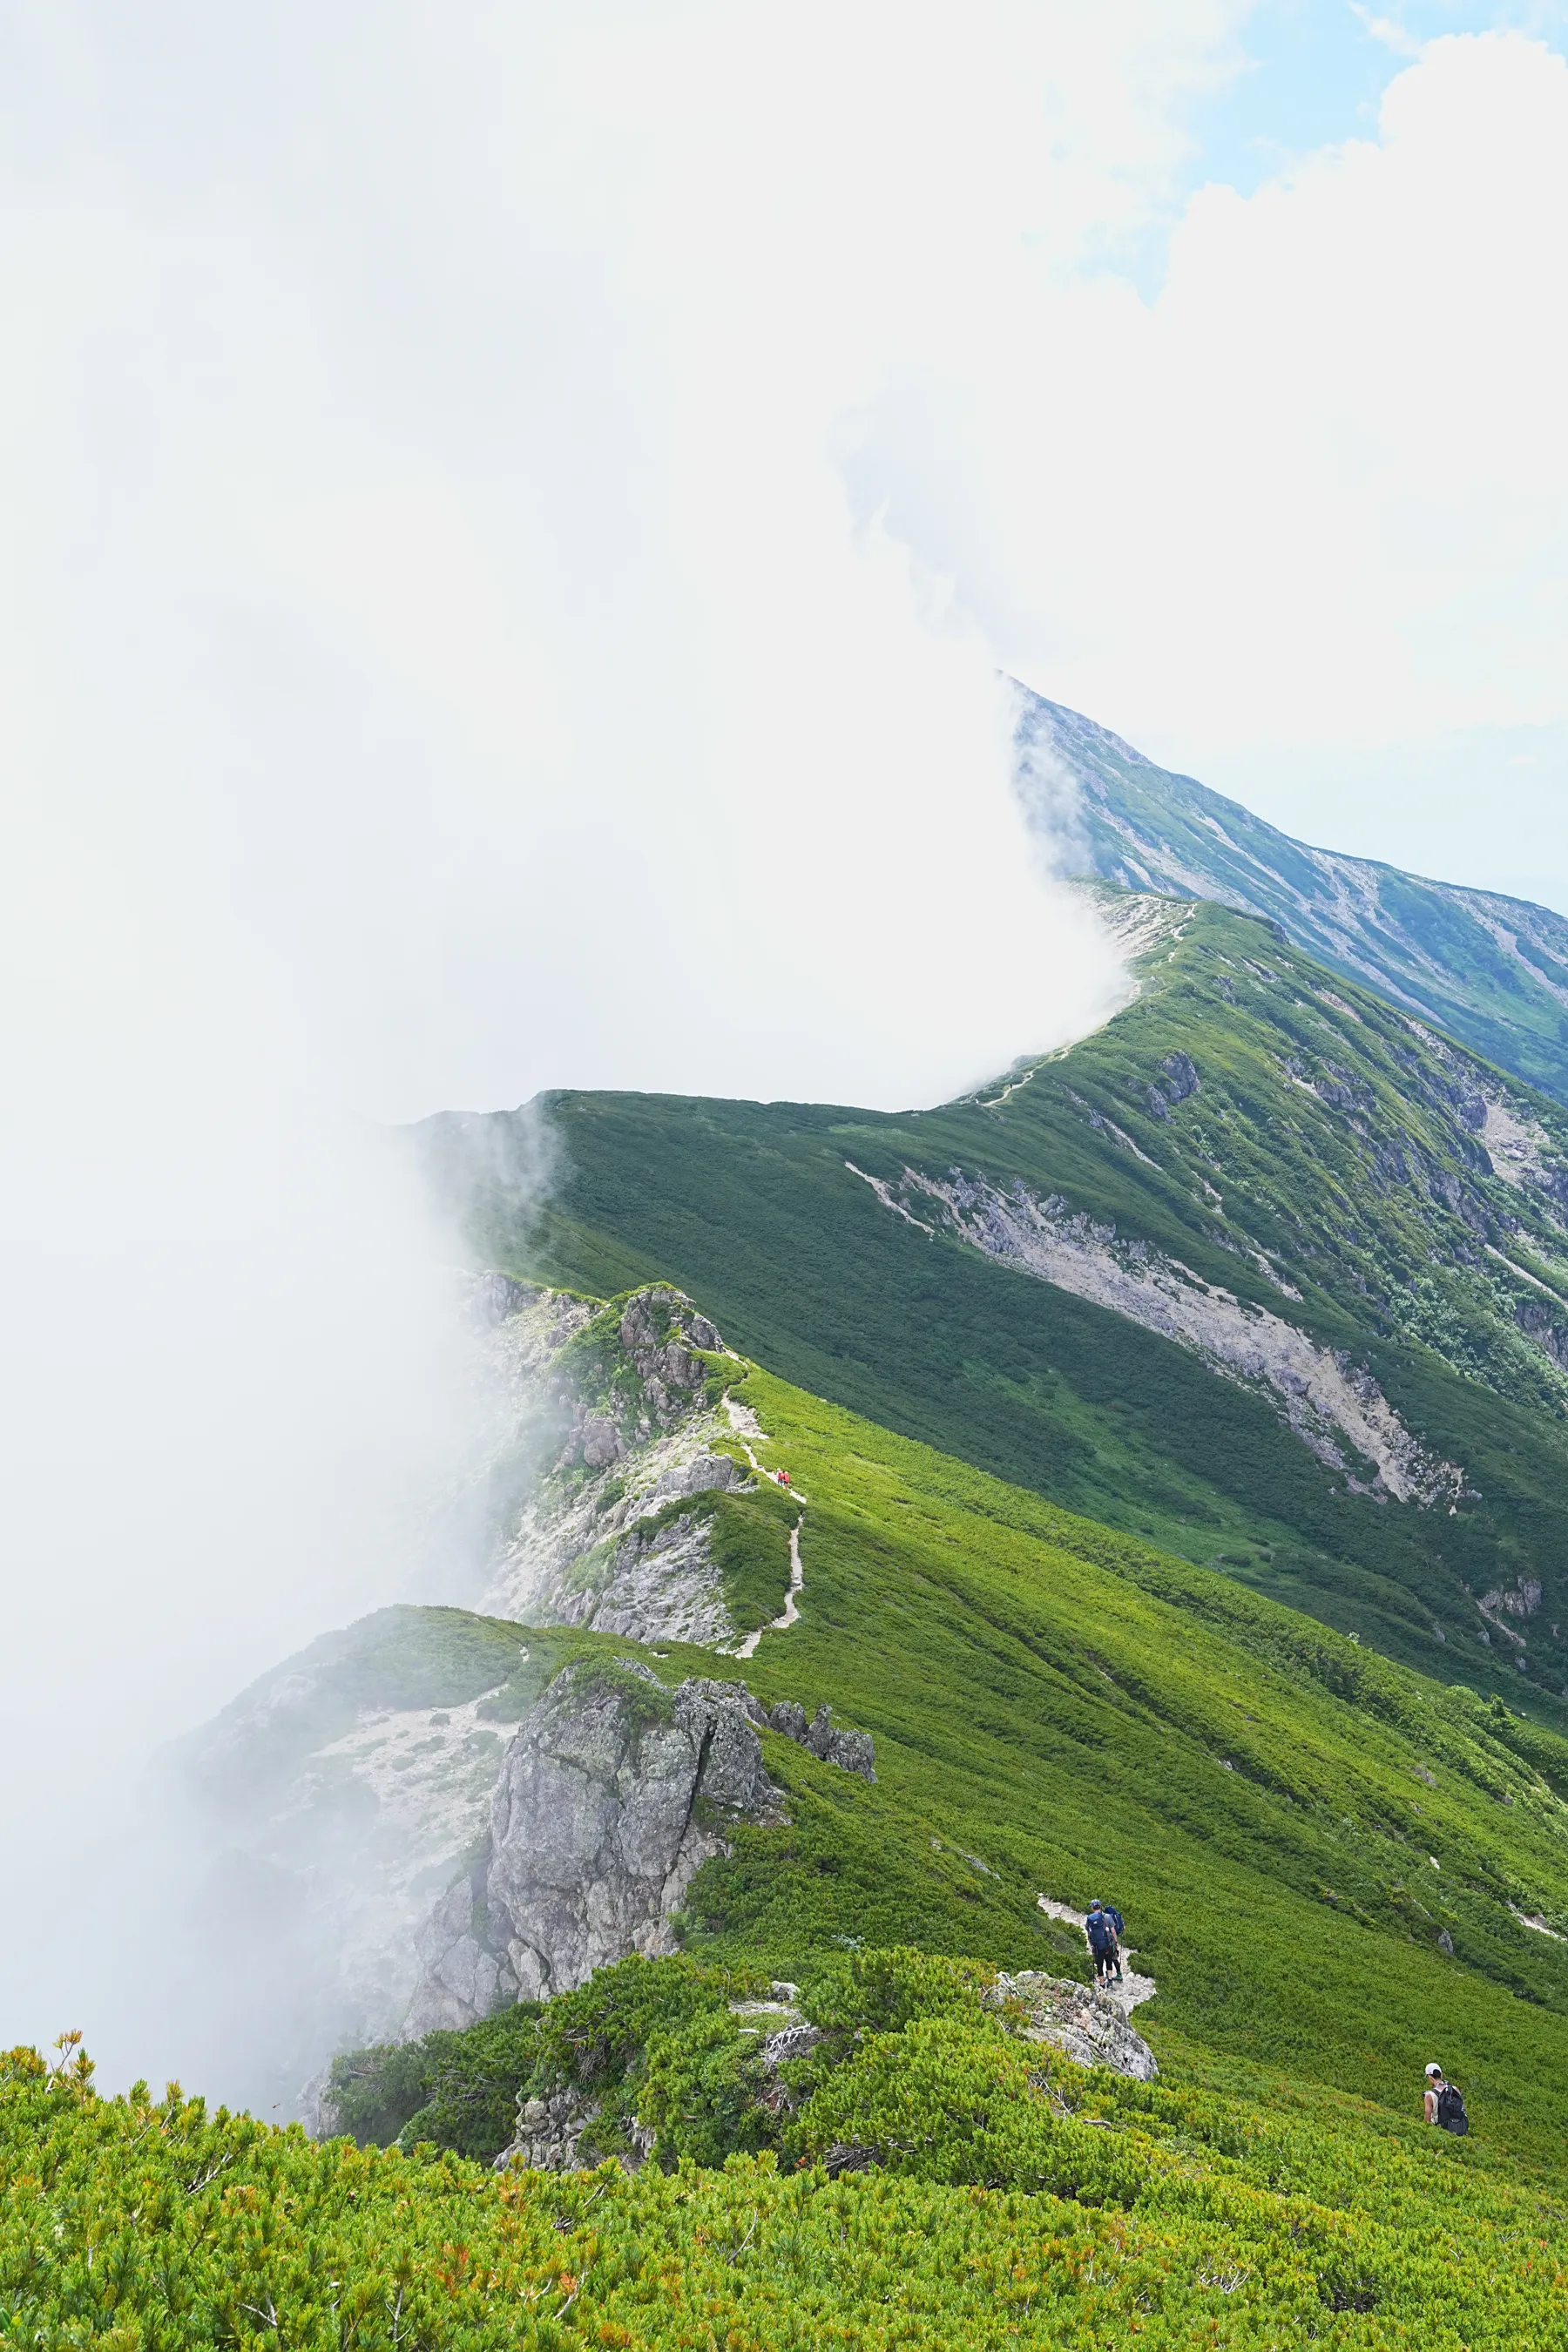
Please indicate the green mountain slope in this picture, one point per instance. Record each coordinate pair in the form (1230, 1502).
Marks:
(1492, 970)
(1326, 1863)
(1265, 1271)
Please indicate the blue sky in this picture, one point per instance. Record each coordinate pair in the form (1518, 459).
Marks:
(1316, 70)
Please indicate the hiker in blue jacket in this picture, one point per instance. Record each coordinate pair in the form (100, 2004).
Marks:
(1099, 1927)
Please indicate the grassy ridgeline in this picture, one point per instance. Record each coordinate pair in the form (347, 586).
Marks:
(1325, 1132)
(1078, 1716)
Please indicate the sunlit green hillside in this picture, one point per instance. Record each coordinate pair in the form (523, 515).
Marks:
(1251, 1124)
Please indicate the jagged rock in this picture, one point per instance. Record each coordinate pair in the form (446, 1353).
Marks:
(1078, 2019)
(658, 1584)
(784, 2033)
(698, 1477)
(461, 1979)
(550, 2133)
(608, 1804)
(492, 1297)
(852, 1751)
(598, 1440)
(634, 1429)
(1536, 1320)
(1181, 1078)
(847, 2155)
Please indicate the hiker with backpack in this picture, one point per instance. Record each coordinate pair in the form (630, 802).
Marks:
(1099, 1927)
(1443, 2103)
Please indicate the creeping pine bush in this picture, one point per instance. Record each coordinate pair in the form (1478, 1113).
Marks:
(458, 2090)
(141, 2226)
(650, 2041)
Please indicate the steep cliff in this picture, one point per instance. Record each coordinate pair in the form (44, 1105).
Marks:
(610, 1798)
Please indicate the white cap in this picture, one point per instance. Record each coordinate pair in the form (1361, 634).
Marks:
(1434, 2068)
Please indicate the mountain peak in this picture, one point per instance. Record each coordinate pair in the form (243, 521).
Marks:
(1491, 970)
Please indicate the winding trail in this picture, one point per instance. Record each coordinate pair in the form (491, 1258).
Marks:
(780, 1624)
(747, 1648)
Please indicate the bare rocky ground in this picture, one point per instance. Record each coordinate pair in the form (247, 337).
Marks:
(1335, 1407)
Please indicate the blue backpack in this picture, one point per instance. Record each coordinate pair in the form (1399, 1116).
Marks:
(1101, 1933)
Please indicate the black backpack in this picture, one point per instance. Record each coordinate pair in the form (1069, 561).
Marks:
(1451, 2110)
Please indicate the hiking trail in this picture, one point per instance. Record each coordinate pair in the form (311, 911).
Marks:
(744, 1423)
(1134, 1988)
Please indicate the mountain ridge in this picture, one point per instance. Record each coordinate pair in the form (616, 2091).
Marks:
(1491, 968)
(1236, 1273)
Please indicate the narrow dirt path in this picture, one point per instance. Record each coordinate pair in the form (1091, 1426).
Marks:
(1133, 1988)
(780, 1624)
(747, 1648)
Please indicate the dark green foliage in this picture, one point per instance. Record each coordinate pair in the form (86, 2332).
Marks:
(597, 2038)
(699, 2093)
(664, 2023)
(1250, 2217)
(854, 1993)
(751, 1550)
(371, 2093)
(458, 2090)
(644, 1699)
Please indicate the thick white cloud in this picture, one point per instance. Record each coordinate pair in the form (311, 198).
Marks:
(425, 424)
(441, 658)
(1312, 498)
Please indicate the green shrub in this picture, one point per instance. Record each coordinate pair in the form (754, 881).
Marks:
(699, 2090)
(458, 2090)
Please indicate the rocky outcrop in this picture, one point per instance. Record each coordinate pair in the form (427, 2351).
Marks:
(1087, 2026)
(591, 1543)
(611, 1798)
(1178, 1081)
(550, 2133)
(658, 1583)
(852, 1751)
(1536, 1320)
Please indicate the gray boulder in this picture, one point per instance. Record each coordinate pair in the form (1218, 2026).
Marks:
(852, 1751)
(698, 1477)
(1082, 2022)
(596, 1832)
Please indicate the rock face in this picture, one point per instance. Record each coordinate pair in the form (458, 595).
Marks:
(610, 1800)
(1085, 2024)
(852, 1751)
(634, 1432)
(1335, 1406)
(549, 2131)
